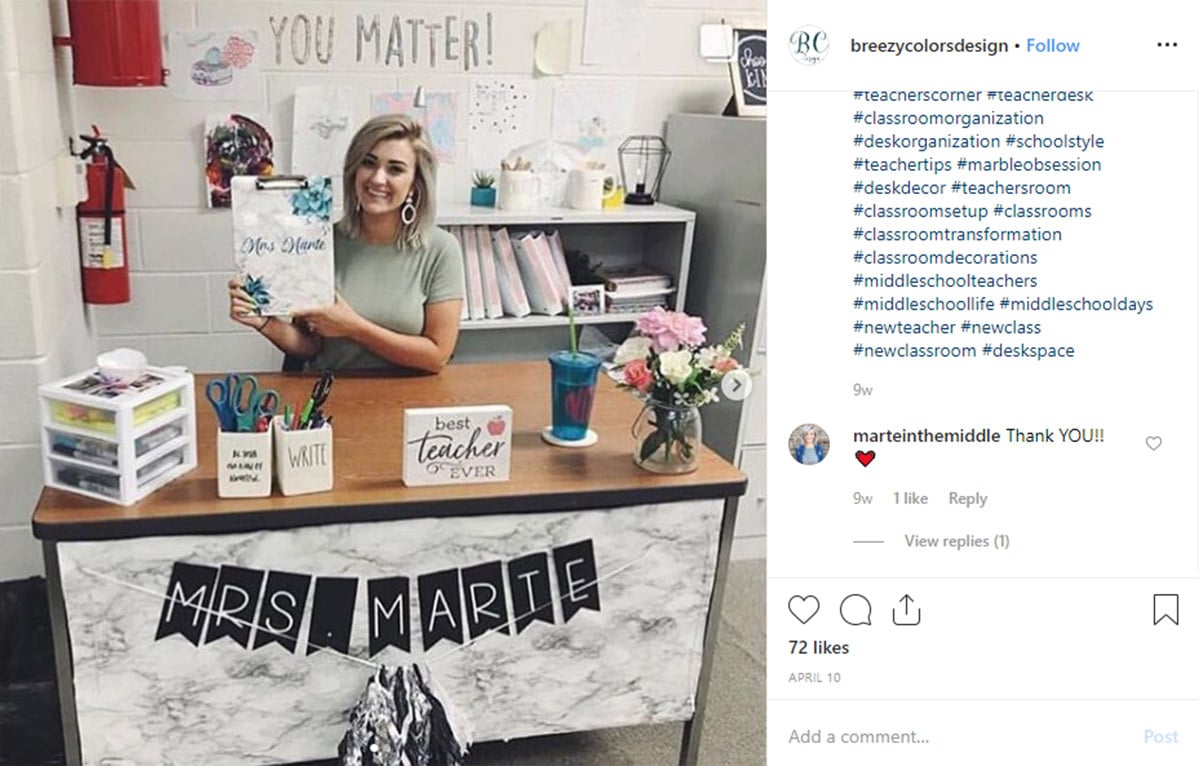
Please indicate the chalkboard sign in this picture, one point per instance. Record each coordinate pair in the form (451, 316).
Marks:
(748, 68)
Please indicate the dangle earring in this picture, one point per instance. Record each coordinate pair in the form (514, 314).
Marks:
(408, 211)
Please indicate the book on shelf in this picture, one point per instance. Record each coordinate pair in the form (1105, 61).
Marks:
(639, 294)
(635, 307)
(639, 301)
(632, 279)
(492, 305)
(457, 232)
(475, 303)
(512, 291)
(638, 297)
(559, 258)
(537, 273)
(541, 244)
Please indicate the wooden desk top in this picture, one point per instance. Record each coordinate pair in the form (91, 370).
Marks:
(368, 452)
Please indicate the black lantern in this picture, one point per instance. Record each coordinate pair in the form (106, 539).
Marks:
(644, 158)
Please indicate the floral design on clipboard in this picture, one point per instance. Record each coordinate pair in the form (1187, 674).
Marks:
(315, 201)
(256, 288)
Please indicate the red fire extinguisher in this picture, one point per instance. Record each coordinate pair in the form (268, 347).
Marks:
(115, 42)
(102, 226)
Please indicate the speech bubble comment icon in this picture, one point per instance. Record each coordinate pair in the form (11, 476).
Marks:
(856, 610)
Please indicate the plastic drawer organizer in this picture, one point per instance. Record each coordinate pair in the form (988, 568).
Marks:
(118, 441)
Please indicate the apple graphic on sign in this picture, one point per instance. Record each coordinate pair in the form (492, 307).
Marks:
(495, 426)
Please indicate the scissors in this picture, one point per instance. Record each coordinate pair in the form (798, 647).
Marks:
(320, 393)
(238, 402)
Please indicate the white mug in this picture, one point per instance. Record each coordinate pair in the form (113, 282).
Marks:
(587, 189)
(519, 190)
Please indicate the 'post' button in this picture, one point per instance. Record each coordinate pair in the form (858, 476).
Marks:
(1154, 737)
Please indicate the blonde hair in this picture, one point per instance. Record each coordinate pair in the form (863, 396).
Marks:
(383, 128)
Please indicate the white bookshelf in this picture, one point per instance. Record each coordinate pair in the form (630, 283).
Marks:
(656, 236)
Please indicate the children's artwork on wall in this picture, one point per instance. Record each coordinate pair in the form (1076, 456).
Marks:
(209, 65)
(439, 116)
(322, 125)
(499, 118)
(234, 145)
(593, 115)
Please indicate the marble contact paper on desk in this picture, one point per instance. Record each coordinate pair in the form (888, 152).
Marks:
(635, 660)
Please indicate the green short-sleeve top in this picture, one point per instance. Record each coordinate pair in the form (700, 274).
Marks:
(390, 287)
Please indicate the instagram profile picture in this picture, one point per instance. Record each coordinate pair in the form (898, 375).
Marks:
(808, 444)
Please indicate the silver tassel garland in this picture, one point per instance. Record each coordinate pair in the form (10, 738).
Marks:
(399, 721)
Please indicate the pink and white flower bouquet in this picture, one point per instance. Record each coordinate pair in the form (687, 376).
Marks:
(666, 361)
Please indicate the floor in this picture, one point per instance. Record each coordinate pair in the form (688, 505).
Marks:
(734, 732)
(29, 720)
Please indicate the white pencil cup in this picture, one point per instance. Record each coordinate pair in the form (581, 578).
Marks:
(303, 458)
(244, 463)
(587, 189)
(519, 190)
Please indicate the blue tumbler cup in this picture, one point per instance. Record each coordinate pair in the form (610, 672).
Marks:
(572, 388)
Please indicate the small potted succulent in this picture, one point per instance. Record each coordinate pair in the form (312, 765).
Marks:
(483, 193)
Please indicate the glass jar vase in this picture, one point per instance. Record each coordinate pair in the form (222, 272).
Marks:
(667, 437)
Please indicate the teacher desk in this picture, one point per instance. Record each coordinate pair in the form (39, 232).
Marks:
(607, 579)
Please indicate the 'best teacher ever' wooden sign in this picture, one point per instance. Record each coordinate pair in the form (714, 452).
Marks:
(457, 445)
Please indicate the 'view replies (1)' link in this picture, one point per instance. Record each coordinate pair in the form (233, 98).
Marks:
(984, 260)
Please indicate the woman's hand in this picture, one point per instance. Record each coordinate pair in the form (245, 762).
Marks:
(287, 337)
(243, 309)
(337, 321)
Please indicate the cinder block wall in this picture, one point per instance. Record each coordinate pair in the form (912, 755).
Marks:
(43, 333)
(179, 251)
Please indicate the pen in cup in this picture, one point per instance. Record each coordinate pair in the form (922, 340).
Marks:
(320, 394)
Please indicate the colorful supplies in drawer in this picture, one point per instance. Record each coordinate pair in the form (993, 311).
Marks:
(105, 453)
(109, 484)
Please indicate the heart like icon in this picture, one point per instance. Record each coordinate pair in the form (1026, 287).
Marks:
(803, 608)
(1153, 442)
(865, 457)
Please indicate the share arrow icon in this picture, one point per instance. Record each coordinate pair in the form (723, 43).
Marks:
(910, 616)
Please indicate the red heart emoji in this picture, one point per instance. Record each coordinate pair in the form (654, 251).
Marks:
(865, 457)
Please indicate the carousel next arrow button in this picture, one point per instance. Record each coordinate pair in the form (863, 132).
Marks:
(736, 385)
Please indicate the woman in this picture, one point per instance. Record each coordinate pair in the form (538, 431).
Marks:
(808, 452)
(399, 278)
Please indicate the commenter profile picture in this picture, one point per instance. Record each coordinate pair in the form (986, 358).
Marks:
(808, 444)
